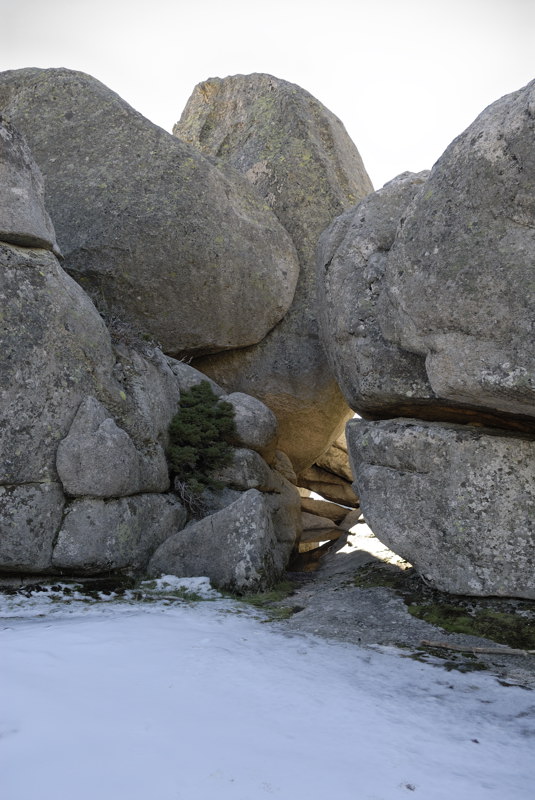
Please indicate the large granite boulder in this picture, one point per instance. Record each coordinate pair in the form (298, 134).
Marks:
(237, 547)
(255, 424)
(99, 536)
(54, 350)
(98, 458)
(302, 163)
(78, 417)
(428, 303)
(23, 217)
(247, 470)
(460, 282)
(157, 233)
(456, 501)
(375, 374)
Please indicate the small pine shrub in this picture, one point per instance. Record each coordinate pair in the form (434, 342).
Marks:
(199, 436)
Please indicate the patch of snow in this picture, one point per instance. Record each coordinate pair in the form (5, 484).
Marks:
(200, 701)
(195, 586)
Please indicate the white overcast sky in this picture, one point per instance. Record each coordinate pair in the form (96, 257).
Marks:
(405, 76)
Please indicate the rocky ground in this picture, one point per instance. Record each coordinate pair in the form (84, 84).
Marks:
(361, 594)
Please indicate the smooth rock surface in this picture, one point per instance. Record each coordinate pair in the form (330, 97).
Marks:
(457, 502)
(23, 217)
(301, 161)
(374, 373)
(30, 517)
(461, 287)
(99, 459)
(102, 536)
(236, 548)
(146, 223)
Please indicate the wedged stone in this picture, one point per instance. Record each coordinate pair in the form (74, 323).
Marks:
(256, 424)
(351, 519)
(284, 504)
(23, 217)
(30, 517)
(236, 548)
(316, 535)
(329, 486)
(460, 285)
(318, 529)
(322, 508)
(146, 222)
(301, 161)
(109, 535)
(336, 459)
(352, 259)
(456, 501)
(99, 459)
(283, 465)
(54, 350)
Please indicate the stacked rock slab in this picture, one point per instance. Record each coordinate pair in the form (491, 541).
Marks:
(331, 476)
(155, 232)
(445, 305)
(300, 160)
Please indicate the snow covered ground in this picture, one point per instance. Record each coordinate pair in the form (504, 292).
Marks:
(173, 700)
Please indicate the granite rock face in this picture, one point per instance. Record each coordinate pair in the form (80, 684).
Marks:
(146, 223)
(30, 517)
(461, 286)
(302, 163)
(109, 535)
(374, 373)
(23, 217)
(54, 350)
(256, 424)
(98, 458)
(236, 547)
(457, 502)
(427, 308)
